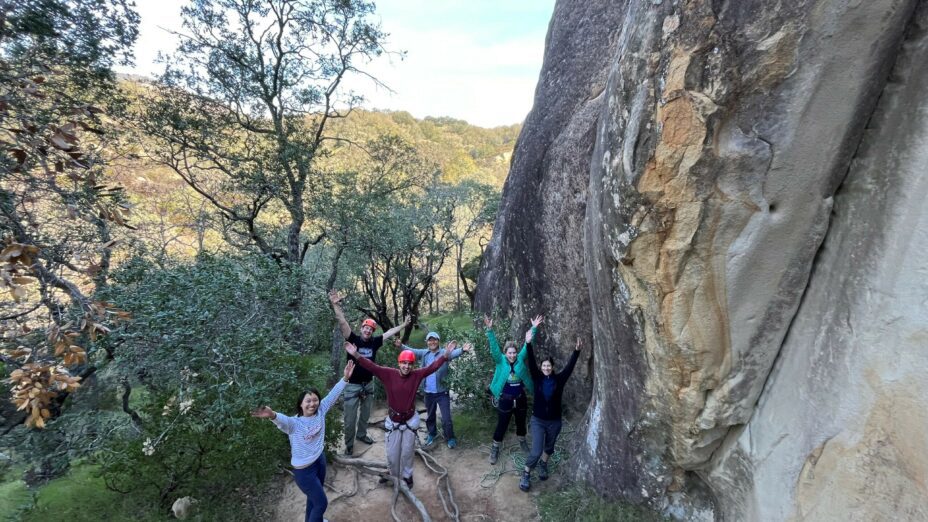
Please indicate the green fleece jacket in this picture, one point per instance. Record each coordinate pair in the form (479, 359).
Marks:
(502, 367)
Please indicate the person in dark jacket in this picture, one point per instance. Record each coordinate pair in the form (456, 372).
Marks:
(546, 410)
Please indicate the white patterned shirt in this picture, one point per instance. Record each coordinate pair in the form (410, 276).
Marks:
(307, 434)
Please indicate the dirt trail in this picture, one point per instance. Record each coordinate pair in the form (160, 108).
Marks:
(467, 465)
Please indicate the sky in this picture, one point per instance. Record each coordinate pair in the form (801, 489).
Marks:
(474, 60)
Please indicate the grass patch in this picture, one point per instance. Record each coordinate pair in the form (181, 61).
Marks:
(82, 495)
(442, 323)
(14, 499)
(474, 426)
(580, 504)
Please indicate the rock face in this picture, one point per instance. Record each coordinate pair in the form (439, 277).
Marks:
(754, 251)
(534, 262)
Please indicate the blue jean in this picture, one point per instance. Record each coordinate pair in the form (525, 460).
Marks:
(310, 480)
(442, 401)
(544, 435)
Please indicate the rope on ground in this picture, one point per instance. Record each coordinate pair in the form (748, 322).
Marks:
(512, 453)
(442, 474)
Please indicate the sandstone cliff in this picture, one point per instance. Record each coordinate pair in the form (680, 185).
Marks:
(745, 242)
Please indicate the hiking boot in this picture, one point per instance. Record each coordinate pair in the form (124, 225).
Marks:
(452, 443)
(542, 470)
(365, 439)
(523, 444)
(429, 440)
(349, 451)
(494, 453)
(408, 481)
(526, 481)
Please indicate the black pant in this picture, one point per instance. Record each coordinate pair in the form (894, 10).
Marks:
(507, 406)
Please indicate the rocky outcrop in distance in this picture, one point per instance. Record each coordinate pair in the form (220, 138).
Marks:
(726, 197)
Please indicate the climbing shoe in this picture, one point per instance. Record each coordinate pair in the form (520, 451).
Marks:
(523, 444)
(494, 453)
(526, 481)
(542, 470)
(452, 443)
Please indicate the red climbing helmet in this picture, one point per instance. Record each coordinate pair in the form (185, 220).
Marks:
(369, 322)
(406, 356)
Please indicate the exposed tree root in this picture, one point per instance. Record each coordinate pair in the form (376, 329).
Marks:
(442, 472)
(379, 469)
(353, 492)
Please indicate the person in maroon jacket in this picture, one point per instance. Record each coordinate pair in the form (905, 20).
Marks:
(402, 422)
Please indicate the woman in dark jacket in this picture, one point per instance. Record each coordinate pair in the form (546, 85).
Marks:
(546, 411)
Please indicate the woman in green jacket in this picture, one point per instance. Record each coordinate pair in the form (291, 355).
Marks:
(511, 381)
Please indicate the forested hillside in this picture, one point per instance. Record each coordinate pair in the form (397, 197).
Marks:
(169, 243)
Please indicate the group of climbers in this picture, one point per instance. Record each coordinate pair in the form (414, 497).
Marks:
(516, 375)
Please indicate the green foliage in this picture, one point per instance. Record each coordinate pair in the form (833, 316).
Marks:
(207, 346)
(82, 496)
(473, 425)
(83, 35)
(14, 499)
(582, 504)
(470, 375)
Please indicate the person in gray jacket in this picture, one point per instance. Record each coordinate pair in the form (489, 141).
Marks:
(435, 389)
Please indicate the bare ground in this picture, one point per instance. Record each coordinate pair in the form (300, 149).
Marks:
(481, 491)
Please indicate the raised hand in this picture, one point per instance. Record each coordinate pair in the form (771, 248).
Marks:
(487, 321)
(349, 369)
(450, 348)
(578, 345)
(468, 347)
(537, 321)
(407, 320)
(334, 298)
(351, 349)
(264, 412)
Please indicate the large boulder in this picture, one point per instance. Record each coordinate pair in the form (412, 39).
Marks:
(726, 130)
(534, 261)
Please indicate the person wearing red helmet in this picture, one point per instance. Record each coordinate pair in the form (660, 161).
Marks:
(359, 393)
(402, 421)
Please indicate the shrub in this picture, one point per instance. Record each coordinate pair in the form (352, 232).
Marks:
(208, 343)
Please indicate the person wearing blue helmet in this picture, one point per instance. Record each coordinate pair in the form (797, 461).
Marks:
(435, 388)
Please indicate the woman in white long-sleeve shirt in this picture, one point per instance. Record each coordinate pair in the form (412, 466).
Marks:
(306, 431)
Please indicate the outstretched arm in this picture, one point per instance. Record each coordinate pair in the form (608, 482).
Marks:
(531, 362)
(336, 301)
(336, 390)
(396, 329)
(364, 362)
(283, 422)
(440, 360)
(460, 351)
(569, 367)
(530, 335)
